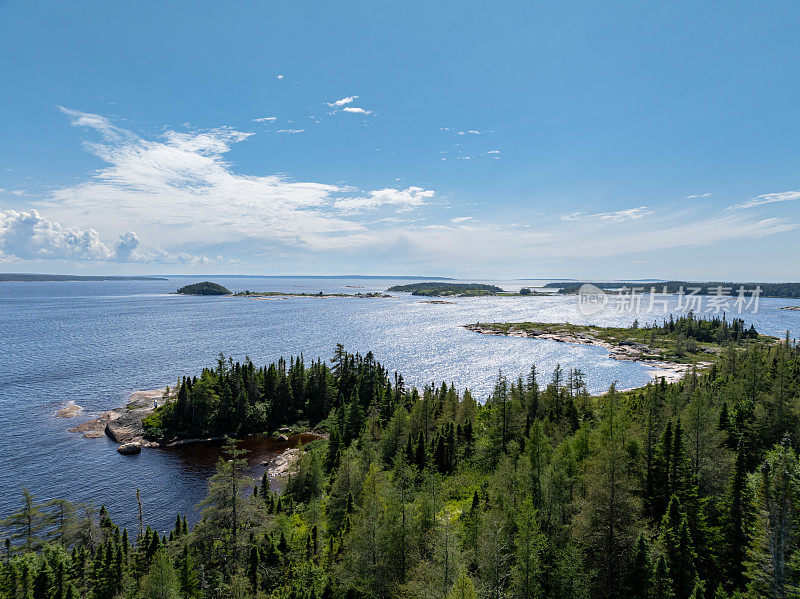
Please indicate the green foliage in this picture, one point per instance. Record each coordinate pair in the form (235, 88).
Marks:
(672, 491)
(204, 288)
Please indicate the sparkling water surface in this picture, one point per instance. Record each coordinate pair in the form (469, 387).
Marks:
(95, 342)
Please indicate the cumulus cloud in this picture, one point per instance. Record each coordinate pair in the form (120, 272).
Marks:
(126, 245)
(617, 217)
(403, 198)
(30, 236)
(768, 198)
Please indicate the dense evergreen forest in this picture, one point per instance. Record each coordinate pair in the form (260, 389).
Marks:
(788, 290)
(672, 491)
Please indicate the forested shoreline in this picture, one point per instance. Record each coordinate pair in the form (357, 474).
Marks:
(674, 490)
(785, 290)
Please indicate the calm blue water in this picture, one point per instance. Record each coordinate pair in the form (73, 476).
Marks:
(96, 342)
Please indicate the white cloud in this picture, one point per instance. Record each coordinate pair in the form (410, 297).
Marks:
(500, 243)
(178, 193)
(266, 119)
(617, 217)
(279, 76)
(699, 196)
(403, 198)
(180, 188)
(493, 152)
(768, 198)
(342, 102)
(356, 110)
(30, 236)
(126, 245)
(290, 131)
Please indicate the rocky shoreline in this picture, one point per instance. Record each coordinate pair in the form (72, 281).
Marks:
(624, 350)
(124, 425)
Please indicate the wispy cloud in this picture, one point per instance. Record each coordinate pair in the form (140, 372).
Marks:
(290, 131)
(768, 198)
(617, 217)
(356, 110)
(403, 198)
(181, 182)
(460, 219)
(265, 119)
(700, 196)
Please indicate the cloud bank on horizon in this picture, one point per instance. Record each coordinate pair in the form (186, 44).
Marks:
(175, 199)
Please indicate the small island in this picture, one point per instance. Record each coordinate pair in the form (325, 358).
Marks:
(204, 288)
(439, 289)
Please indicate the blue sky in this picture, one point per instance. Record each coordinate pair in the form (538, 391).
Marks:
(482, 140)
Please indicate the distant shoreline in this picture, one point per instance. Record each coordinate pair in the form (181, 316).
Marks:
(32, 278)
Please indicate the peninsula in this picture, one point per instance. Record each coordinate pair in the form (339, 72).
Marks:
(671, 349)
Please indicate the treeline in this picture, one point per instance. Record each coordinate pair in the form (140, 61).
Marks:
(444, 289)
(710, 330)
(239, 399)
(787, 290)
(672, 491)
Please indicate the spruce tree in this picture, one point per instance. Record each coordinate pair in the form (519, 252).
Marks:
(638, 577)
(660, 581)
(736, 524)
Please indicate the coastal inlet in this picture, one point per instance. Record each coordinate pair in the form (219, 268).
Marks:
(273, 454)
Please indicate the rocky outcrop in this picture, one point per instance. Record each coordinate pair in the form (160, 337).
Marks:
(123, 425)
(70, 410)
(129, 448)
